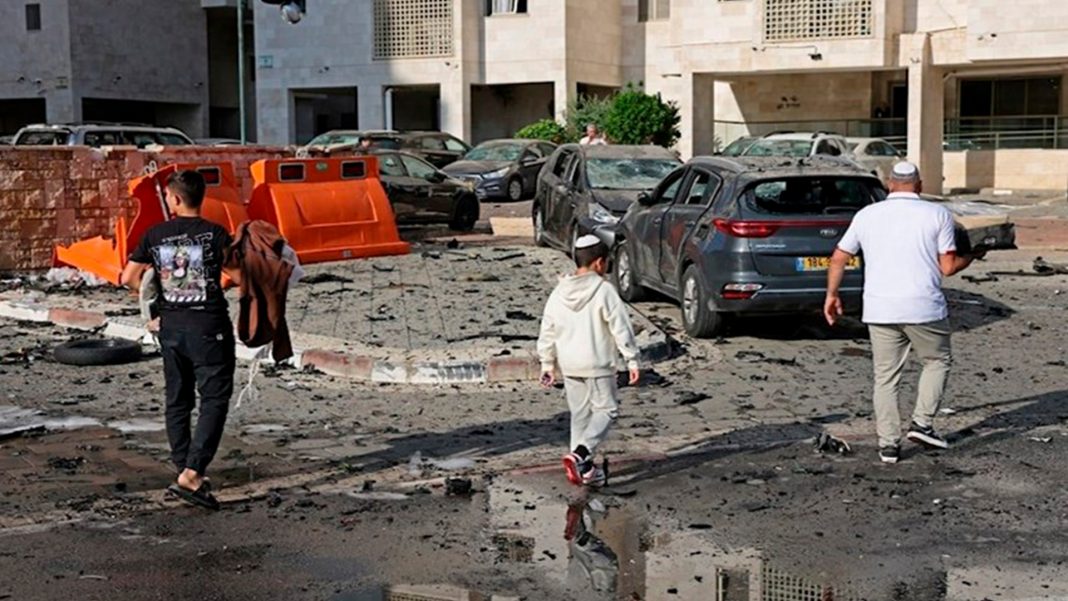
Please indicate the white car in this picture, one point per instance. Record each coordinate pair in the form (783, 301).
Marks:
(798, 145)
(875, 154)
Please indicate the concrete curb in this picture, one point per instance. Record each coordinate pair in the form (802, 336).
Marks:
(385, 366)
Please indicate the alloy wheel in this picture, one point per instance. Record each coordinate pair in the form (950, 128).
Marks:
(623, 271)
(690, 299)
(515, 190)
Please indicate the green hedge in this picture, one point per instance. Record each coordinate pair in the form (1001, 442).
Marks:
(629, 117)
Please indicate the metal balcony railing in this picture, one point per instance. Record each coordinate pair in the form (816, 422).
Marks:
(984, 133)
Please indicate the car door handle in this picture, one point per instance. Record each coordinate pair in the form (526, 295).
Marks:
(691, 223)
(657, 221)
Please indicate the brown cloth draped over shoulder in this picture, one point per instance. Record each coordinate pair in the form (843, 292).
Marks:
(257, 253)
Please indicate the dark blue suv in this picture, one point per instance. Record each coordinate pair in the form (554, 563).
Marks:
(750, 235)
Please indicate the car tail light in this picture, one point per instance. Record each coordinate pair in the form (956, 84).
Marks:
(740, 291)
(762, 229)
(746, 229)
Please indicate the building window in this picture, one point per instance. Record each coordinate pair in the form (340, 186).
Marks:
(33, 17)
(653, 10)
(413, 28)
(794, 20)
(1010, 97)
(506, 7)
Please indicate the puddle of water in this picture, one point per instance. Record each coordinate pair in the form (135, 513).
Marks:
(263, 429)
(418, 592)
(128, 426)
(16, 419)
(598, 547)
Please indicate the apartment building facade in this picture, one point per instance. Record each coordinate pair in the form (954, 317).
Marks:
(162, 62)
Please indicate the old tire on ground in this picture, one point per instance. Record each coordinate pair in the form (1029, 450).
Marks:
(697, 318)
(539, 227)
(515, 189)
(624, 277)
(465, 215)
(98, 351)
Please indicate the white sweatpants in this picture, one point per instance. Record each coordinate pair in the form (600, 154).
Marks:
(594, 406)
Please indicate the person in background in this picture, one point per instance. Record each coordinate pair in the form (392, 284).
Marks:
(584, 325)
(908, 246)
(593, 136)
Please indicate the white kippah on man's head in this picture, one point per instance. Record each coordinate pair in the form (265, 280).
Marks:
(905, 172)
(587, 241)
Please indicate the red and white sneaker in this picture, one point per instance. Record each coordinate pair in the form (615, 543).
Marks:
(595, 477)
(572, 465)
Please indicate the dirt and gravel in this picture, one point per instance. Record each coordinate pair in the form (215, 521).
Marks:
(716, 482)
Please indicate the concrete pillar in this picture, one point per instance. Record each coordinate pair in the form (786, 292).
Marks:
(456, 107)
(697, 112)
(926, 113)
(564, 91)
(63, 106)
(370, 99)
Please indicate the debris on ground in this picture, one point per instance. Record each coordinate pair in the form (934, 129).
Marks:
(325, 277)
(68, 278)
(691, 397)
(825, 443)
(417, 464)
(519, 316)
(458, 487)
(758, 357)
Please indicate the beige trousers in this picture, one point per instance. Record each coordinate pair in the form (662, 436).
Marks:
(890, 346)
(594, 406)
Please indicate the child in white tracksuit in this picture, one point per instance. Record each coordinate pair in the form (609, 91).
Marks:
(584, 325)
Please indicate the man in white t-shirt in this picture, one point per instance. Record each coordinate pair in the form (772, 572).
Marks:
(593, 136)
(908, 245)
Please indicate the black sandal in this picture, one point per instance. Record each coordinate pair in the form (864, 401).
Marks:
(200, 497)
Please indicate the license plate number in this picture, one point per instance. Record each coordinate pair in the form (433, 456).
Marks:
(823, 263)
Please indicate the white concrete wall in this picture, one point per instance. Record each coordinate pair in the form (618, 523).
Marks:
(1020, 169)
(161, 58)
(40, 58)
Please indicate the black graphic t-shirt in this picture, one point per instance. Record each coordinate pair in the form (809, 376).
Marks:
(187, 254)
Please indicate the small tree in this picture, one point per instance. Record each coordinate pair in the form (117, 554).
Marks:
(546, 129)
(639, 118)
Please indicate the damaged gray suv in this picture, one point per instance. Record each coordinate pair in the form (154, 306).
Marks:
(727, 236)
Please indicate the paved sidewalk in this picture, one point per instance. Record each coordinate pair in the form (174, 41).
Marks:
(439, 315)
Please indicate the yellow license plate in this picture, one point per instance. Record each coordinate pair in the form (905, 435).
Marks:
(823, 263)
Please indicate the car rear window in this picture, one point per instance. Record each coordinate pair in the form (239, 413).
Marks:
(172, 139)
(811, 195)
(779, 148)
(43, 138)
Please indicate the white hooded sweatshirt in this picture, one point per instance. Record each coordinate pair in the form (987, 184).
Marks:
(584, 324)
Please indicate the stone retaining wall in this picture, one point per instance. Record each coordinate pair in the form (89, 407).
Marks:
(56, 195)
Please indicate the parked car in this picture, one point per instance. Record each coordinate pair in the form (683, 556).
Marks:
(7, 140)
(798, 144)
(739, 146)
(421, 193)
(503, 169)
(218, 142)
(100, 134)
(437, 147)
(340, 141)
(730, 236)
(876, 154)
(582, 187)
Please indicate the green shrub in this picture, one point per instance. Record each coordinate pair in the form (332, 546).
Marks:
(639, 118)
(585, 110)
(546, 129)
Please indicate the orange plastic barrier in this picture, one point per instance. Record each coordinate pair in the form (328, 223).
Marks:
(106, 258)
(327, 209)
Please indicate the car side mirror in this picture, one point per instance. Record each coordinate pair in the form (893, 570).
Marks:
(436, 177)
(645, 199)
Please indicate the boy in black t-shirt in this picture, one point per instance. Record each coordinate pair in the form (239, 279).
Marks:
(196, 337)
